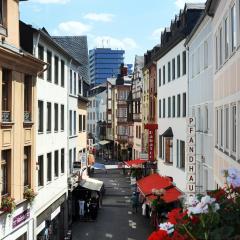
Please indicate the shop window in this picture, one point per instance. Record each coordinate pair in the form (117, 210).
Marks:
(6, 95)
(27, 166)
(62, 160)
(62, 73)
(49, 70)
(49, 167)
(40, 116)
(40, 171)
(56, 163)
(6, 171)
(56, 68)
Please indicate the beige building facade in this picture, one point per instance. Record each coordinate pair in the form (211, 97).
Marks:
(18, 72)
(226, 85)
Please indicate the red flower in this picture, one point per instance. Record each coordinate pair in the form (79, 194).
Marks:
(159, 235)
(176, 216)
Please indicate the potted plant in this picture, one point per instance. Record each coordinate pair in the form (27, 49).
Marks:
(29, 194)
(8, 204)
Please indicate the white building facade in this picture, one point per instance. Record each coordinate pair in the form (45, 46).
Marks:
(200, 97)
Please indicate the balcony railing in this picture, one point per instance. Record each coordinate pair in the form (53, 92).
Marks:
(27, 116)
(6, 116)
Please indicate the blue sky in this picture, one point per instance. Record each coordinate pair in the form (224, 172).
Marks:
(132, 25)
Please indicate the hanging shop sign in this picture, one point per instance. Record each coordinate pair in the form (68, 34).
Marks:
(20, 218)
(191, 156)
(151, 140)
(84, 160)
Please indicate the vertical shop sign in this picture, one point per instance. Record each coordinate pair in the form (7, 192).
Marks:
(151, 140)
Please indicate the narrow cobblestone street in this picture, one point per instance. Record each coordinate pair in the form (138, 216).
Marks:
(116, 219)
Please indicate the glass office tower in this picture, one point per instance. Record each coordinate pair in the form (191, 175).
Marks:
(104, 63)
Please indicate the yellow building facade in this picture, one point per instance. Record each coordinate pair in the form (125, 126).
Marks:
(18, 72)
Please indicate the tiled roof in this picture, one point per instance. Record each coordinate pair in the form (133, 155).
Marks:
(77, 46)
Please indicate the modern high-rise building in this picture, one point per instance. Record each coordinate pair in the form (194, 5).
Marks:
(104, 63)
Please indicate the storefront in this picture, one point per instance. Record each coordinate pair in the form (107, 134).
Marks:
(19, 225)
(52, 224)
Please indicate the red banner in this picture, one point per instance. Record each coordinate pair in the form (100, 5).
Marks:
(151, 140)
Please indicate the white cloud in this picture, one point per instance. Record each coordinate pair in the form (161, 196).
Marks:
(52, 1)
(156, 34)
(180, 3)
(100, 17)
(107, 41)
(72, 28)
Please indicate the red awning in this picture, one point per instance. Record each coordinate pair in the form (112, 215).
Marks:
(154, 181)
(131, 163)
(171, 195)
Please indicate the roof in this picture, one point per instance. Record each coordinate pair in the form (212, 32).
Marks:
(131, 163)
(154, 181)
(168, 133)
(77, 46)
(211, 6)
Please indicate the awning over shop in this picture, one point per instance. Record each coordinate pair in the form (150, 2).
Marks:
(131, 163)
(103, 142)
(155, 181)
(92, 184)
(168, 133)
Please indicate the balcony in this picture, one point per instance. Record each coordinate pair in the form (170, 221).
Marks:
(122, 119)
(137, 116)
(6, 116)
(27, 117)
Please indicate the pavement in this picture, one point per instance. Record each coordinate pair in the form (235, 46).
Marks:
(116, 219)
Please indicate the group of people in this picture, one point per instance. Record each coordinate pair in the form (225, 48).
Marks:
(88, 208)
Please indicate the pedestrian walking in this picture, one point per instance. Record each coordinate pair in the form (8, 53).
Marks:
(135, 202)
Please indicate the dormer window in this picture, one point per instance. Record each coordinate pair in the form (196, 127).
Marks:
(3, 17)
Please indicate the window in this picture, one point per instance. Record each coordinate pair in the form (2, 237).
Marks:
(233, 27)
(159, 108)
(70, 161)
(56, 117)
(234, 128)
(169, 106)
(221, 128)
(163, 75)
(49, 167)
(27, 166)
(27, 98)
(40, 171)
(164, 108)
(136, 132)
(217, 127)
(169, 71)
(178, 66)
(75, 122)
(84, 122)
(56, 164)
(184, 66)
(173, 69)
(49, 117)
(74, 155)
(62, 73)
(226, 128)
(71, 83)
(160, 77)
(220, 46)
(80, 123)
(41, 56)
(70, 123)
(205, 54)
(49, 69)
(206, 127)
(173, 106)
(216, 49)
(75, 84)
(184, 105)
(2, 11)
(178, 105)
(56, 69)
(193, 65)
(40, 116)
(6, 171)
(79, 85)
(62, 117)
(182, 154)
(226, 34)
(160, 146)
(198, 60)
(62, 160)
